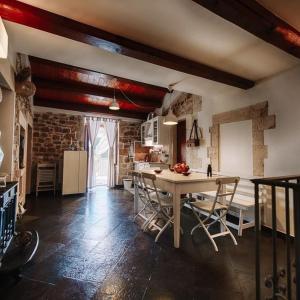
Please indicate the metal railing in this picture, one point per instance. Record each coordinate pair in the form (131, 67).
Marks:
(8, 203)
(282, 280)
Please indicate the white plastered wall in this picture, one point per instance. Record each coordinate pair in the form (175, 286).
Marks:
(283, 95)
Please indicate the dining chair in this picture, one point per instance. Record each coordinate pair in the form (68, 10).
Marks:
(147, 209)
(216, 210)
(162, 204)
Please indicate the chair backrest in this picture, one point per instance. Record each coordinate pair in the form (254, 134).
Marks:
(46, 172)
(245, 191)
(138, 185)
(150, 187)
(222, 193)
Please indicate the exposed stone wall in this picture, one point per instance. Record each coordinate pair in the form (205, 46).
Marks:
(186, 107)
(128, 133)
(23, 105)
(187, 104)
(53, 134)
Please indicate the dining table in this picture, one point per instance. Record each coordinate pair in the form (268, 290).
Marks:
(179, 184)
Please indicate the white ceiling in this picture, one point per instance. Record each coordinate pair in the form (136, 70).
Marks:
(178, 26)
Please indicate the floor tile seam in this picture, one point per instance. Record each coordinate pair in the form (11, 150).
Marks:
(37, 280)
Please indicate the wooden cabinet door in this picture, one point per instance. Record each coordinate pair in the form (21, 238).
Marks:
(82, 176)
(70, 173)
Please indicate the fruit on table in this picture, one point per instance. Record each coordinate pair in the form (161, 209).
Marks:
(181, 167)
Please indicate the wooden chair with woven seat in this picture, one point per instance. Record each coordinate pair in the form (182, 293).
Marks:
(216, 210)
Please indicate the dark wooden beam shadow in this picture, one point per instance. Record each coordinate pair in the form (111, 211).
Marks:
(31, 16)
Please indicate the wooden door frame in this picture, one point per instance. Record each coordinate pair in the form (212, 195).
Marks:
(181, 119)
(22, 172)
(29, 158)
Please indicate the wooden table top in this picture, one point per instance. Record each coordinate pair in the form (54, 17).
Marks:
(167, 175)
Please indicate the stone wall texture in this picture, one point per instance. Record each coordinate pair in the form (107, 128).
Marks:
(53, 134)
(128, 133)
(187, 104)
(23, 105)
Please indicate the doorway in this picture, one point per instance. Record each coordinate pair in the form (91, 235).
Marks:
(181, 141)
(101, 157)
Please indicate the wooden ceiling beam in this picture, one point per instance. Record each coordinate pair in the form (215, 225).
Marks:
(254, 18)
(88, 108)
(93, 90)
(31, 16)
(40, 64)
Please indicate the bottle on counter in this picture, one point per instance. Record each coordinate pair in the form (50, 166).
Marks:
(209, 170)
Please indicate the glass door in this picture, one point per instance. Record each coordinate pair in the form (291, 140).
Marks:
(100, 168)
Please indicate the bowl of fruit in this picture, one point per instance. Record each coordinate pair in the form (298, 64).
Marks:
(181, 168)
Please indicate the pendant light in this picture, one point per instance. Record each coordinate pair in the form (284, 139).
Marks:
(114, 105)
(170, 118)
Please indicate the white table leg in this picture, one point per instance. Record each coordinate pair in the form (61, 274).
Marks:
(176, 212)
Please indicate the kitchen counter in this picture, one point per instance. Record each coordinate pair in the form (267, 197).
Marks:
(139, 165)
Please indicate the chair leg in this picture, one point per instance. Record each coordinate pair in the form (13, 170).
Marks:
(211, 239)
(199, 220)
(147, 222)
(229, 232)
(163, 229)
(201, 224)
(139, 213)
(195, 227)
(241, 222)
(181, 230)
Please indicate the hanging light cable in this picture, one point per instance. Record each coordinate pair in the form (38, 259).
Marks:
(128, 99)
(114, 105)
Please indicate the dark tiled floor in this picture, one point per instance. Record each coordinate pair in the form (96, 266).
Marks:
(90, 249)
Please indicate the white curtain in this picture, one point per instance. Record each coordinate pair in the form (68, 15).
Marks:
(93, 126)
(111, 131)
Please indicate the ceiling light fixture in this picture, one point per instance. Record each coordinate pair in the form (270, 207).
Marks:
(114, 105)
(170, 118)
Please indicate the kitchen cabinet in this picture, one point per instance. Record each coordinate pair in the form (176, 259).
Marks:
(154, 132)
